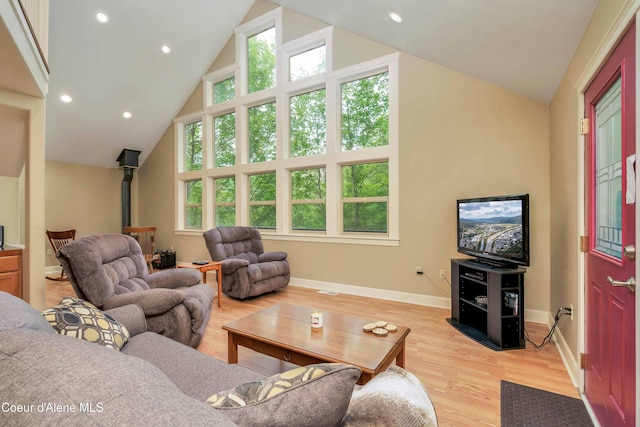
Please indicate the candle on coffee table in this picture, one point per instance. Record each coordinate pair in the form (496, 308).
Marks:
(316, 319)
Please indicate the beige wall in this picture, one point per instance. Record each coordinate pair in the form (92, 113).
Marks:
(566, 182)
(85, 198)
(156, 186)
(10, 209)
(297, 25)
(459, 137)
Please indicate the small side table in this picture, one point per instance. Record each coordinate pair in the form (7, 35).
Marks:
(212, 266)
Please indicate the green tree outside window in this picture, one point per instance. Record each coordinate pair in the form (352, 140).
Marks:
(224, 140)
(365, 191)
(225, 204)
(193, 146)
(193, 205)
(308, 199)
(365, 112)
(262, 200)
(308, 124)
(262, 60)
(224, 90)
(262, 133)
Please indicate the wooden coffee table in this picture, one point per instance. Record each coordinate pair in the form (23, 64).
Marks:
(284, 331)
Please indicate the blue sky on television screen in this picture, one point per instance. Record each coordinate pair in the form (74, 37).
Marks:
(502, 208)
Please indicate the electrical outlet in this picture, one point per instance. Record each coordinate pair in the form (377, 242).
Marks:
(443, 274)
(419, 270)
(571, 307)
(49, 252)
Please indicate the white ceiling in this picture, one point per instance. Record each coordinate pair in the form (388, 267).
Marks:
(119, 66)
(522, 45)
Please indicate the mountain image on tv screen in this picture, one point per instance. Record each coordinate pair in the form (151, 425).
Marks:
(492, 227)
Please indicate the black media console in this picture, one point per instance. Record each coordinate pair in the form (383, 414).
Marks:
(487, 303)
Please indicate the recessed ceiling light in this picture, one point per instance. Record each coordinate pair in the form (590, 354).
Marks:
(66, 99)
(126, 115)
(102, 17)
(394, 16)
(166, 49)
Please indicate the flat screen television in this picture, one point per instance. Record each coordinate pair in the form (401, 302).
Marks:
(495, 229)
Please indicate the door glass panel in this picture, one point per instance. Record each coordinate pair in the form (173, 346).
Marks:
(608, 176)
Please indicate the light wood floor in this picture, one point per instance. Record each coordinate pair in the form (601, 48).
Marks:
(462, 377)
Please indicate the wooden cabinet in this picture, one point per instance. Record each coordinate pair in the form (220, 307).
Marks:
(11, 271)
(487, 303)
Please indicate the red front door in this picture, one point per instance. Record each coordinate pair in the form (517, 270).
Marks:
(610, 265)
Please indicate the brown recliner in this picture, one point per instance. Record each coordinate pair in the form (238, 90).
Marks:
(109, 271)
(247, 271)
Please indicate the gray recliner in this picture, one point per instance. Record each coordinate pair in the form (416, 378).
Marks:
(247, 271)
(109, 271)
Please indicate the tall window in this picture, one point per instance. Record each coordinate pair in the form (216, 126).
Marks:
(193, 146)
(365, 112)
(262, 200)
(193, 205)
(224, 90)
(365, 191)
(309, 63)
(262, 60)
(225, 201)
(224, 140)
(262, 133)
(308, 124)
(308, 199)
(301, 150)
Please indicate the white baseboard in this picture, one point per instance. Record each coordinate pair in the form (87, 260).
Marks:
(426, 300)
(570, 362)
(535, 316)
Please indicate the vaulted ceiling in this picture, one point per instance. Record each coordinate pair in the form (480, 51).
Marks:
(108, 68)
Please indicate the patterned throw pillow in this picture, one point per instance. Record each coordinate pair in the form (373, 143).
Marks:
(81, 319)
(307, 396)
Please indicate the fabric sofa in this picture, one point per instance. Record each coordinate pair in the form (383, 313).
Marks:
(247, 270)
(53, 379)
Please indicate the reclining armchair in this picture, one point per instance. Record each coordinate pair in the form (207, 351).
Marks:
(109, 271)
(247, 271)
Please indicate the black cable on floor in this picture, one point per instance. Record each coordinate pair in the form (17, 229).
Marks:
(561, 312)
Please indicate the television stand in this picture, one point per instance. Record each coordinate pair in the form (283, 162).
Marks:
(485, 262)
(487, 303)
(482, 262)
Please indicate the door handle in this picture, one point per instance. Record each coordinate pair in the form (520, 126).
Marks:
(630, 283)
